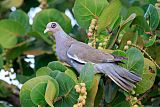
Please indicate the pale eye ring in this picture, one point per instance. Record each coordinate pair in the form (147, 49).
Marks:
(53, 25)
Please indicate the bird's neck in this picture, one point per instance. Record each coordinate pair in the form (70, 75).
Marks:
(60, 35)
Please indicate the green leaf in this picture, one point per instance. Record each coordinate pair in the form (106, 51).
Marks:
(56, 65)
(120, 101)
(153, 17)
(132, 36)
(109, 15)
(21, 17)
(66, 91)
(54, 73)
(86, 10)
(124, 24)
(148, 77)
(71, 74)
(151, 41)
(141, 23)
(25, 91)
(128, 21)
(52, 92)
(10, 30)
(1, 61)
(135, 61)
(38, 93)
(87, 75)
(91, 95)
(110, 90)
(50, 15)
(43, 71)
(137, 10)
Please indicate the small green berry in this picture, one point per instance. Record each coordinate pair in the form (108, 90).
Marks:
(75, 105)
(129, 42)
(135, 105)
(106, 39)
(83, 84)
(126, 47)
(133, 92)
(80, 99)
(83, 102)
(92, 26)
(100, 44)
(96, 28)
(104, 43)
(135, 98)
(101, 48)
(94, 21)
(84, 96)
(76, 86)
(90, 44)
(83, 90)
(78, 90)
(85, 93)
(80, 105)
(90, 30)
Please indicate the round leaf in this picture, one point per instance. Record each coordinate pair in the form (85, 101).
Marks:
(109, 15)
(43, 71)
(72, 74)
(148, 77)
(86, 10)
(56, 65)
(38, 92)
(10, 30)
(21, 17)
(25, 98)
(52, 91)
(135, 61)
(66, 89)
(87, 75)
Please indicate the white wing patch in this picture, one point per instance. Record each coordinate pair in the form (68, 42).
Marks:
(74, 57)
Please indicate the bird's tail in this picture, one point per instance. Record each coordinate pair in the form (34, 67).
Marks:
(121, 76)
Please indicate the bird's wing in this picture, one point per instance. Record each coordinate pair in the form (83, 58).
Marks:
(83, 53)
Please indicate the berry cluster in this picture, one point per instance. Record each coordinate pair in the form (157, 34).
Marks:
(93, 27)
(157, 4)
(134, 101)
(103, 44)
(127, 46)
(81, 89)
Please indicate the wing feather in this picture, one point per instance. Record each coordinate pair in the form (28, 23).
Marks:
(83, 53)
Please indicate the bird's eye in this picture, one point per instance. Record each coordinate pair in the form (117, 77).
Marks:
(53, 25)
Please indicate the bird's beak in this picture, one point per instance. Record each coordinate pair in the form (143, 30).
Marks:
(46, 30)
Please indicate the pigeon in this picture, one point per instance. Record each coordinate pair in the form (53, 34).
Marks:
(77, 54)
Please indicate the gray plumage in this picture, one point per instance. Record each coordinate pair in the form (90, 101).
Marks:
(76, 54)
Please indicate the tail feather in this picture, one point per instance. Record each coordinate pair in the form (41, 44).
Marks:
(121, 76)
(127, 74)
(120, 83)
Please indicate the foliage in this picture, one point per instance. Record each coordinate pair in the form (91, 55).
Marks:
(124, 28)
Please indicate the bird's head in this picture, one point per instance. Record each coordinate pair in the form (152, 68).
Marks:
(52, 27)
